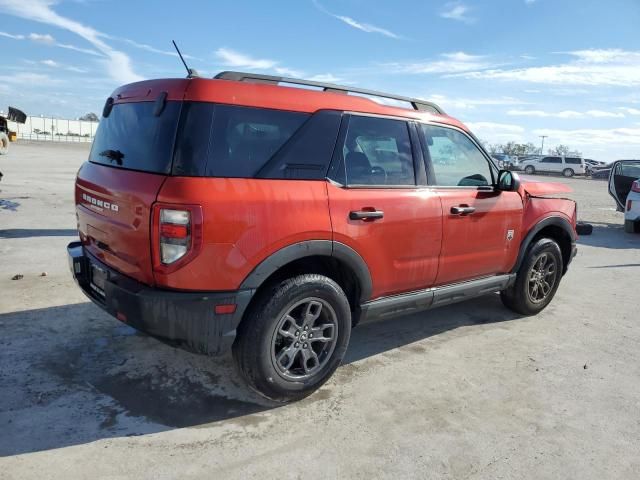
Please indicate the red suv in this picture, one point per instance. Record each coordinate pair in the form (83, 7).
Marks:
(246, 212)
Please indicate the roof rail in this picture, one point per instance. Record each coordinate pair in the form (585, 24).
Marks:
(416, 103)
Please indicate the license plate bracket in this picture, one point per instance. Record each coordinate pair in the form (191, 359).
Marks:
(98, 278)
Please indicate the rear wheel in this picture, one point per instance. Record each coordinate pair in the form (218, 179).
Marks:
(631, 226)
(568, 172)
(4, 143)
(529, 170)
(537, 279)
(294, 337)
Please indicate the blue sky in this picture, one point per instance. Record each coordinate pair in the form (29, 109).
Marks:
(511, 69)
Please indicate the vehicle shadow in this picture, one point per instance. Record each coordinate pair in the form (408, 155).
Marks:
(610, 235)
(37, 232)
(72, 375)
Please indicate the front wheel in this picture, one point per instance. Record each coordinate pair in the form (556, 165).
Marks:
(294, 337)
(568, 172)
(529, 170)
(537, 279)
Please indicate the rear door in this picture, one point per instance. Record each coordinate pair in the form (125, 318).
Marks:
(550, 164)
(129, 160)
(481, 226)
(380, 205)
(623, 174)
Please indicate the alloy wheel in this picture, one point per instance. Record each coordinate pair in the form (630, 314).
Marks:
(542, 277)
(304, 339)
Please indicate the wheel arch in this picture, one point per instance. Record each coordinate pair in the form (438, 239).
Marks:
(333, 259)
(556, 228)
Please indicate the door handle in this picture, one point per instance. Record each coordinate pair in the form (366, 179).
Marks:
(462, 210)
(365, 214)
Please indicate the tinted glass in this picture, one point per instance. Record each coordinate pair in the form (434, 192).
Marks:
(132, 137)
(377, 151)
(243, 139)
(192, 140)
(456, 161)
(308, 154)
(551, 160)
(573, 161)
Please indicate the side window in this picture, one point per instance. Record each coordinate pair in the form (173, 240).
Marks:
(456, 161)
(243, 139)
(573, 161)
(551, 160)
(377, 151)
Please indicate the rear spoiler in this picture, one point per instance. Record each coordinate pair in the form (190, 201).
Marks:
(16, 115)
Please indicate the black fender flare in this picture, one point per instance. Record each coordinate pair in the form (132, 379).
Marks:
(556, 221)
(312, 248)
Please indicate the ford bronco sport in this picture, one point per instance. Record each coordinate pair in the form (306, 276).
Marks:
(246, 213)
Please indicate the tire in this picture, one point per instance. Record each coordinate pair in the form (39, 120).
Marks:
(273, 349)
(525, 298)
(529, 170)
(568, 172)
(630, 226)
(4, 143)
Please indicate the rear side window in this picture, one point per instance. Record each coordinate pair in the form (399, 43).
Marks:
(243, 139)
(133, 138)
(551, 160)
(377, 151)
(573, 161)
(232, 141)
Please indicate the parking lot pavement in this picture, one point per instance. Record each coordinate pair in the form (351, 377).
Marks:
(466, 391)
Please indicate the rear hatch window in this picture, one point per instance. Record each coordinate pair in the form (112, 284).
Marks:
(132, 137)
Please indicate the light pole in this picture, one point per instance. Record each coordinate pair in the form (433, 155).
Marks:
(542, 146)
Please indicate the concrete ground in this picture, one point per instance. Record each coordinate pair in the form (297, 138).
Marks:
(467, 391)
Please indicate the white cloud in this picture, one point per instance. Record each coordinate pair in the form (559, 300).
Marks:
(449, 63)
(117, 63)
(42, 38)
(50, 63)
(497, 132)
(28, 78)
(612, 67)
(630, 111)
(54, 64)
(593, 136)
(365, 27)
(565, 114)
(461, 103)
(529, 2)
(457, 11)
(325, 77)
(11, 35)
(149, 48)
(232, 58)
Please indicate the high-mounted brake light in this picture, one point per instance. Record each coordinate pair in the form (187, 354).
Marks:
(177, 235)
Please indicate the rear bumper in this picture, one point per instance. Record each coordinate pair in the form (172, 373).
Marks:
(185, 319)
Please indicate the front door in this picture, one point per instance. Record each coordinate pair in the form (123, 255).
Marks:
(481, 226)
(380, 211)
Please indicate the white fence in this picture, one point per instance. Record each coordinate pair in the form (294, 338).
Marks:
(55, 129)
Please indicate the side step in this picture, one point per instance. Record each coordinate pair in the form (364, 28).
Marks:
(433, 297)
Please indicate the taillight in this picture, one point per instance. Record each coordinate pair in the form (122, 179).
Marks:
(176, 235)
(635, 186)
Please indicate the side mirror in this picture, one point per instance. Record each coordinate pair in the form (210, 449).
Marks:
(508, 181)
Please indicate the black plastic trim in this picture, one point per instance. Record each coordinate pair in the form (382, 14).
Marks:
(547, 222)
(421, 300)
(310, 248)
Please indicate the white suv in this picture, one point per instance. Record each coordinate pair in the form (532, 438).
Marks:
(567, 166)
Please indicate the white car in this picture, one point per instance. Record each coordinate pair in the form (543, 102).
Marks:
(567, 166)
(624, 187)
